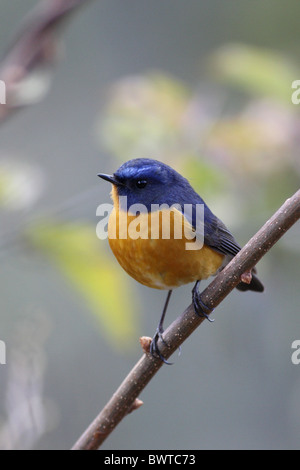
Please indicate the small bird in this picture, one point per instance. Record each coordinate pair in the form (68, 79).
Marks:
(143, 192)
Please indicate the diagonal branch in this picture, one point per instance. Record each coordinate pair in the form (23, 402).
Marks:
(124, 399)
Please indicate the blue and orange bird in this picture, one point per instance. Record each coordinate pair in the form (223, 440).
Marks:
(141, 187)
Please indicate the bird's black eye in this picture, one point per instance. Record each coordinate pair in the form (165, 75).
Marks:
(141, 184)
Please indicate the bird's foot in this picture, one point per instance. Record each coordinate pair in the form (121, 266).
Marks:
(154, 349)
(199, 306)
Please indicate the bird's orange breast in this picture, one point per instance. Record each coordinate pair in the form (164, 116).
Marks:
(158, 262)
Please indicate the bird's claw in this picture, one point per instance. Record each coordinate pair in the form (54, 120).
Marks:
(199, 306)
(154, 349)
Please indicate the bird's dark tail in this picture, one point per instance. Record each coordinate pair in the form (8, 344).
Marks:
(254, 285)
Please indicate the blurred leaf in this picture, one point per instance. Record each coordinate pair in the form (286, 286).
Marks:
(143, 116)
(78, 253)
(21, 184)
(204, 176)
(253, 141)
(255, 70)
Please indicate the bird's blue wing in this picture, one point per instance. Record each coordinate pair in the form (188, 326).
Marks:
(216, 234)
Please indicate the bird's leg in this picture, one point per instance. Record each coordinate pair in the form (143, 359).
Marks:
(200, 308)
(159, 333)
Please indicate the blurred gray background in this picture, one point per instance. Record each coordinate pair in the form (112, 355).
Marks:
(234, 385)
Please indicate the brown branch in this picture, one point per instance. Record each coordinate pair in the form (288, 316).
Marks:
(34, 51)
(124, 398)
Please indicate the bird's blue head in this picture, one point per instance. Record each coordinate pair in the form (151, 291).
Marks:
(146, 181)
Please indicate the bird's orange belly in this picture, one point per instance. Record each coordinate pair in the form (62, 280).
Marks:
(159, 263)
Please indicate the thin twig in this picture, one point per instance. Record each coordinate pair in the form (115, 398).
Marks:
(123, 399)
(33, 53)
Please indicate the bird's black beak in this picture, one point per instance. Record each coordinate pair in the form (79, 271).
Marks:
(109, 178)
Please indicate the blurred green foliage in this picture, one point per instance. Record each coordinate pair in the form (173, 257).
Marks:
(258, 71)
(82, 259)
(144, 115)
